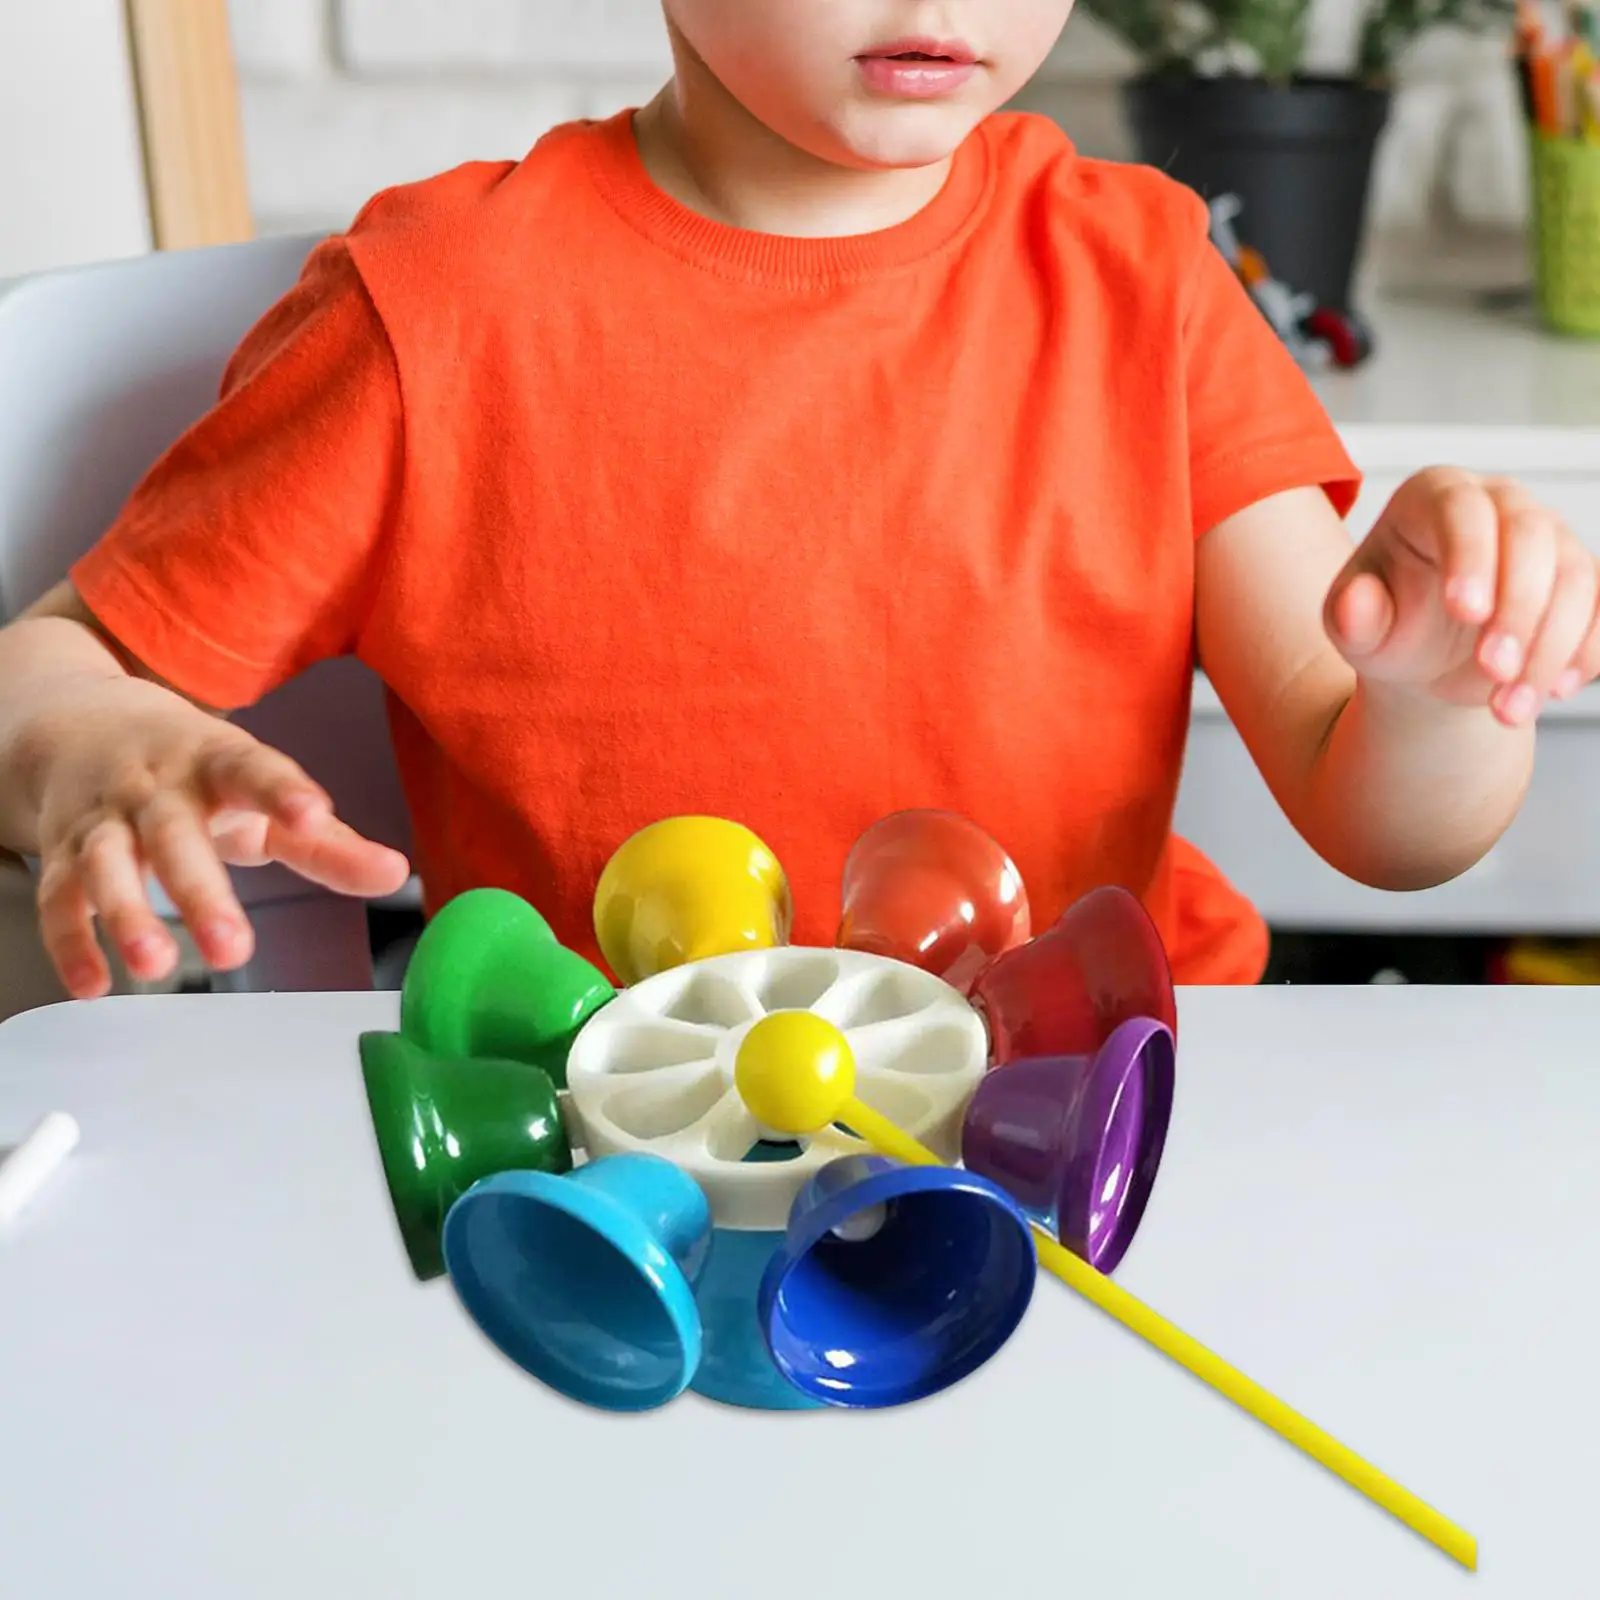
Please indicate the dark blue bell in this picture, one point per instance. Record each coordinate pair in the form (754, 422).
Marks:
(894, 1282)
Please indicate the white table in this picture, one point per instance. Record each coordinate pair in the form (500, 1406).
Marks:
(1449, 385)
(218, 1381)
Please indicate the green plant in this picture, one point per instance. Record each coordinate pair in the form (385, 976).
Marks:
(1267, 38)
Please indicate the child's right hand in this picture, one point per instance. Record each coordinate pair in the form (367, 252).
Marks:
(139, 783)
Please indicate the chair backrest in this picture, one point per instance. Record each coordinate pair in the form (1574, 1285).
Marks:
(103, 367)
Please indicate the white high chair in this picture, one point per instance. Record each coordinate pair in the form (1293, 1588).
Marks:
(101, 368)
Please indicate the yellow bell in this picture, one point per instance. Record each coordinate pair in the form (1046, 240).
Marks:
(685, 889)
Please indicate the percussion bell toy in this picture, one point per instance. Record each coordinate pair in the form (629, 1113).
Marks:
(787, 1178)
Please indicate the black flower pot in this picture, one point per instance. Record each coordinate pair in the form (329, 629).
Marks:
(1298, 156)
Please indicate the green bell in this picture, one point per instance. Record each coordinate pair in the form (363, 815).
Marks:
(489, 978)
(443, 1123)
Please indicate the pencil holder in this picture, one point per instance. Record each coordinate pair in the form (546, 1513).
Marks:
(1566, 233)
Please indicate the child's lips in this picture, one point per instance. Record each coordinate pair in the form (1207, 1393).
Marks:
(957, 51)
(918, 68)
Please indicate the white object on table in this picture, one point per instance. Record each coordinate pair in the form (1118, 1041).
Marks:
(1381, 1203)
(28, 1167)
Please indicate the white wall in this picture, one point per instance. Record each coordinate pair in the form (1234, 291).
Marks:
(342, 97)
(71, 160)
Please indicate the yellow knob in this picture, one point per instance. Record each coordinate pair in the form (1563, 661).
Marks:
(795, 1073)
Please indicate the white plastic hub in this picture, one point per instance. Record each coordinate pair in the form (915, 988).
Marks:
(653, 1070)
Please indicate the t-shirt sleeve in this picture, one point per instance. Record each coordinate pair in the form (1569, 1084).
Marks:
(1256, 425)
(251, 550)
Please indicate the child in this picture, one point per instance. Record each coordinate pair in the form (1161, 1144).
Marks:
(815, 443)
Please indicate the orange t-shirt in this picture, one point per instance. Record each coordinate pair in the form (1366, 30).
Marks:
(637, 514)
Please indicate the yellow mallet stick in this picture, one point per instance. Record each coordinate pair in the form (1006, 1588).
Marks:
(796, 1075)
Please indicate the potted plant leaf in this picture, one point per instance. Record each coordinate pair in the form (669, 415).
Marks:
(1224, 104)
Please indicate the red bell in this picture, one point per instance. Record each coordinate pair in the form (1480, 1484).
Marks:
(933, 890)
(1066, 992)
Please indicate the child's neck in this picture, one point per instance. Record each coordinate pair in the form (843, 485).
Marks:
(706, 151)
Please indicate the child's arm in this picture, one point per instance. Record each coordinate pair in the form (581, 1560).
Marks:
(248, 552)
(107, 775)
(1375, 691)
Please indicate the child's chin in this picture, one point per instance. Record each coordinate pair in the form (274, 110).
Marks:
(905, 136)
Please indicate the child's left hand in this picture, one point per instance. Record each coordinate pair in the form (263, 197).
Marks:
(1470, 591)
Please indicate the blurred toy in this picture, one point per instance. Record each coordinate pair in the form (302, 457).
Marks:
(1317, 336)
(1547, 961)
(789, 1178)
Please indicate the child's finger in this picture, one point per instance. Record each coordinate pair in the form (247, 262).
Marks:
(178, 847)
(253, 777)
(1359, 614)
(1585, 664)
(1529, 550)
(1466, 536)
(66, 927)
(334, 855)
(1566, 623)
(1557, 640)
(108, 863)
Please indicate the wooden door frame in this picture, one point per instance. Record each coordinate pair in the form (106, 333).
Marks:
(187, 85)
